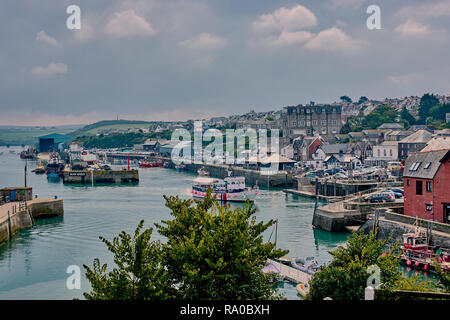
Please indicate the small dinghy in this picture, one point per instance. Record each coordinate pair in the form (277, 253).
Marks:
(308, 265)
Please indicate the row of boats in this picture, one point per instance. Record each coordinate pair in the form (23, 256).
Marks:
(54, 168)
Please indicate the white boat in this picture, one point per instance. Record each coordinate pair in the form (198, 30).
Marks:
(228, 189)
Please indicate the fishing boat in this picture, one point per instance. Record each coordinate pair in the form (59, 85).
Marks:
(228, 189)
(55, 166)
(40, 169)
(150, 164)
(203, 172)
(416, 253)
(28, 154)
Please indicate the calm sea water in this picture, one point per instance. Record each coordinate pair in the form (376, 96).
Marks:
(33, 264)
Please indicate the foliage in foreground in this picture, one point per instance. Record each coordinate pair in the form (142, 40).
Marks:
(345, 278)
(212, 252)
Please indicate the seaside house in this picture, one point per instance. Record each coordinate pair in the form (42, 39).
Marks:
(426, 180)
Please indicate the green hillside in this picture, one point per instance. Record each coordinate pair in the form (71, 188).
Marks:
(18, 135)
(94, 128)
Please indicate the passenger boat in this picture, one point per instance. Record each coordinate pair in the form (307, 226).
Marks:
(203, 172)
(228, 189)
(40, 169)
(150, 164)
(416, 253)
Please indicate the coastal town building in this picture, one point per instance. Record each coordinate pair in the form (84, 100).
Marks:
(311, 120)
(413, 143)
(426, 180)
(383, 153)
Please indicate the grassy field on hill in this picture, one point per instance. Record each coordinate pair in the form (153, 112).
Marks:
(16, 135)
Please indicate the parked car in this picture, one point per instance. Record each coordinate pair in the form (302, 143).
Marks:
(398, 191)
(397, 195)
(340, 175)
(380, 197)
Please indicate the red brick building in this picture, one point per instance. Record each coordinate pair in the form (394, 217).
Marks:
(426, 180)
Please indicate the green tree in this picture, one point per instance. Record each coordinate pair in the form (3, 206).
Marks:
(427, 102)
(362, 99)
(444, 277)
(214, 252)
(346, 98)
(139, 272)
(406, 116)
(345, 278)
(382, 114)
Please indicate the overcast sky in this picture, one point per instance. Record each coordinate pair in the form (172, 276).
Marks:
(180, 60)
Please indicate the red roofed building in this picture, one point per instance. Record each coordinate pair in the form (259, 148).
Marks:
(426, 181)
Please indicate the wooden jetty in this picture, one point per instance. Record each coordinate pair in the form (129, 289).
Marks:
(289, 273)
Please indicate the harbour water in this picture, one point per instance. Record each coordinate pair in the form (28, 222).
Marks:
(33, 264)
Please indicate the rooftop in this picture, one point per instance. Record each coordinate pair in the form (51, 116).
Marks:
(425, 165)
(420, 136)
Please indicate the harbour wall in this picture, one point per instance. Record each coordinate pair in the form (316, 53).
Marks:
(252, 177)
(15, 216)
(393, 232)
(101, 176)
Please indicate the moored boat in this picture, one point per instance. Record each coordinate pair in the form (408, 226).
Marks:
(228, 189)
(308, 265)
(40, 169)
(55, 166)
(150, 164)
(416, 253)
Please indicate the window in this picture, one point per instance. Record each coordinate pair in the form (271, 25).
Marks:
(384, 152)
(324, 122)
(408, 183)
(428, 186)
(415, 166)
(334, 122)
(419, 187)
(427, 165)
(390, 152)
(378, 152)
(294, 123)
(314, 122)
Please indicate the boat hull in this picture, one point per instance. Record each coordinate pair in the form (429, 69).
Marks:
(231, 197)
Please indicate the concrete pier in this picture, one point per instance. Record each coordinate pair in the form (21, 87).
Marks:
(15, 216)
(335, 217)
(101, 176)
